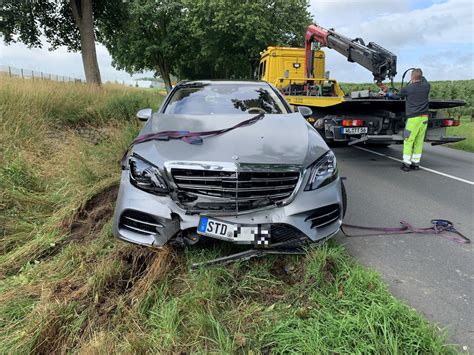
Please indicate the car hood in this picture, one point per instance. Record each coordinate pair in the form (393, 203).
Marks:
(275, 139)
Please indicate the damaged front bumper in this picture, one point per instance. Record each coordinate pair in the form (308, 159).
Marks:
(152, 220)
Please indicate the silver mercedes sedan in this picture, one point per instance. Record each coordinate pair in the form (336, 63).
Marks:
(228, 160)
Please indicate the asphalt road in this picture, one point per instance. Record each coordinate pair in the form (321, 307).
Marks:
(432, 274)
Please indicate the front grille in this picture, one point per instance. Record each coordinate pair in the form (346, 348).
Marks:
(236, 191)
(139, 222)
(324, 216)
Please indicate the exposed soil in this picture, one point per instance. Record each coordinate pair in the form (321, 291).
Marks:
(91, 134)
(287, 272)
(92, 217)
(137, 269)
(329, 270)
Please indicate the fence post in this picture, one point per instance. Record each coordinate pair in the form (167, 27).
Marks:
(33, 75)
(41, 75)
(22, 74)
(10, 71)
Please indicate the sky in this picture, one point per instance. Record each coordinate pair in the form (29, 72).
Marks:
(435, 35)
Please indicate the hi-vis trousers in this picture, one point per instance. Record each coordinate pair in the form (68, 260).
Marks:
(414, 136)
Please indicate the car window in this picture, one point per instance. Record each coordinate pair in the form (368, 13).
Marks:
(208, 99)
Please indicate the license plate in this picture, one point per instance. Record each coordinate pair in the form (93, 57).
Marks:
(215, 228)
(259, 234)
(354, 130)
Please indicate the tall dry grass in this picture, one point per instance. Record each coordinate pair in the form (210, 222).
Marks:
(51, 236)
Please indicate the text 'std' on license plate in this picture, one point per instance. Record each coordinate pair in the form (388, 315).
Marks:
(214, 228)
(354, 130)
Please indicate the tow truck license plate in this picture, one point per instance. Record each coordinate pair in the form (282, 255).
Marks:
(354, 130)
(214, 228)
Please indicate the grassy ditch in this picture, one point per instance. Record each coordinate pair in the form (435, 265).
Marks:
(466, 129)
(66, 285)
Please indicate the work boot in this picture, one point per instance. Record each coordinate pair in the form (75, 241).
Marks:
(414, 166)
(405, 167)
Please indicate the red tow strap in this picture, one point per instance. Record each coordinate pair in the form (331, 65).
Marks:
(193, 137)
(187, 136)
(439, 227)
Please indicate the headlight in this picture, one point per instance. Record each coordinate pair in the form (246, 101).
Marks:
(322, 172)
(145, 176)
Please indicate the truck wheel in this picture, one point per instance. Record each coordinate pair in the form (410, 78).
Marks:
(344, 199)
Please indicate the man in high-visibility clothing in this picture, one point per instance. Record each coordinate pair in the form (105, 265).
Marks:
(417, 112)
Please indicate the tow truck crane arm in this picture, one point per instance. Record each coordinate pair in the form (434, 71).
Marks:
(381, 62)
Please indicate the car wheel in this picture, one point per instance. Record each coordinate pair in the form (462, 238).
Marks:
(344, 199)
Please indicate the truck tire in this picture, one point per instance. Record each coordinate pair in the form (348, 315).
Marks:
(344, 199)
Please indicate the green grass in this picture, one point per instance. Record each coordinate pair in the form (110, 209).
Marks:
(66, 285)
(466, 129)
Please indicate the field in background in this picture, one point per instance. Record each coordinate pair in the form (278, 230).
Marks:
(466, 129)
(67, 285)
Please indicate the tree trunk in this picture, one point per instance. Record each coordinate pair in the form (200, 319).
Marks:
(84, 18)
(165, 75)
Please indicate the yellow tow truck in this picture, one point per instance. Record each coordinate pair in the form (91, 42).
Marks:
(283, 67)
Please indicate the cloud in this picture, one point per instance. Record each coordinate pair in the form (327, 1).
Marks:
(449, 22)
(60, 61)
(434, 35)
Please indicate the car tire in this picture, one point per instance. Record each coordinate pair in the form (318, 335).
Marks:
(344, 199)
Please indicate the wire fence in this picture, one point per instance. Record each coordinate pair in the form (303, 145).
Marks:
(10, 71)
(35, 75)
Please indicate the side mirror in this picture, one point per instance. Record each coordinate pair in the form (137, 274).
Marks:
(144, 114)
(305, 111)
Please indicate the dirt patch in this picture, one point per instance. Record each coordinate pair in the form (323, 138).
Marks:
(287, 272)
(93, 216)
(92, 134)
(271, 295)
(85, 224)
(329, 270)
(120, 279)
(136, 270)
(51, 338)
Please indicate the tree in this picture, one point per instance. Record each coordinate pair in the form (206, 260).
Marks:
(71, 23)
(225, 38)
(148, 37)
(203, 38)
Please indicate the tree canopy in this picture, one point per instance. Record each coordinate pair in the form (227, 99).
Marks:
(225, 38)
(203, 38)
(148, 37)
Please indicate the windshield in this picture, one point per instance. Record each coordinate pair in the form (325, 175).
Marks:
(208, 99)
